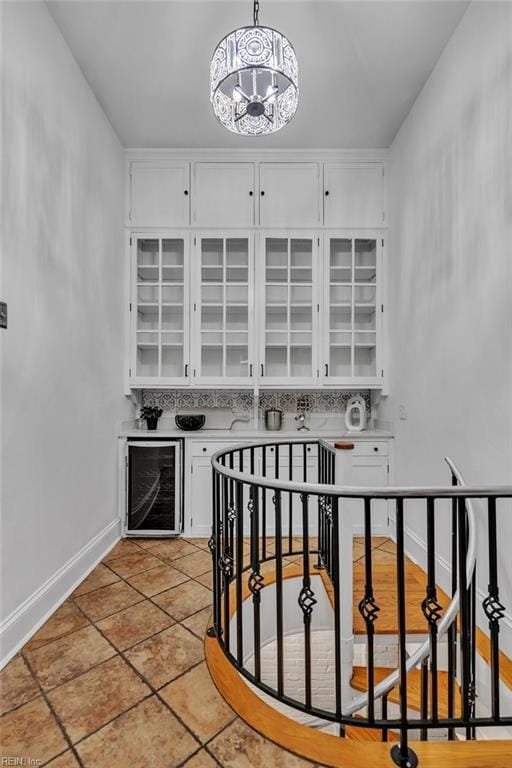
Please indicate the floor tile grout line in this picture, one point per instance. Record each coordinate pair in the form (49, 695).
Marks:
(8, 712)
(154, 691)
(56, 717)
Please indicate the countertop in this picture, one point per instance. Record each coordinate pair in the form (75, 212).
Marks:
(238, 435)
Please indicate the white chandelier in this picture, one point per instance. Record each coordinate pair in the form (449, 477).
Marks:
(254, 85)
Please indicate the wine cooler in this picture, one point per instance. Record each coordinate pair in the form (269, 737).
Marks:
(153, 488)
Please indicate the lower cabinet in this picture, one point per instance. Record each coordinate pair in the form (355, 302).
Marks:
(370, 467)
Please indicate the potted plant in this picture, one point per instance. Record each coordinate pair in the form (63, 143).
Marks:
(151, 413)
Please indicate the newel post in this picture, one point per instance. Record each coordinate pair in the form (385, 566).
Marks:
(346, 511)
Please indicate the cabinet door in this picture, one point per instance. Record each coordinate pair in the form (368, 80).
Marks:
(159, 194)
(200, 504)
(160, 310)
(369, 471)
(352, 318)
(224, 310)
(289, 194)
(223, 195)
(289, 316)
(354, 195)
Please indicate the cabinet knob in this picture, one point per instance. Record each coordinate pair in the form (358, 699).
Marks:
(262, 193)
(250, 193)
(309, 450)
(204, 450)
(326, 193)
(375, 448)
(185, 192)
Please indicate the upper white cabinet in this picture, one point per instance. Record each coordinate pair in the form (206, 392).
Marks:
(354, 195)
(160, 309)
(223, 195)
(223, 310)
(288, 297)
(159, 194)
(352, 310)
(289, 195)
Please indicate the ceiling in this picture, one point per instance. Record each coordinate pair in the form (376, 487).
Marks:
(361, 66)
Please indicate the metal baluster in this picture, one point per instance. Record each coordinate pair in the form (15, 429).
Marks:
(465, 631)
(226, 559)
(255, 582)
(452, 630)
(401, 754)
(430, 606)
(279, 592)
(306, 599)
(239, 494)
(384, 712)
(368, 608)
(264, 505)
(494, 610)
(320, 501)
(213, 546)
(290, 499)
(424, 697)
(337, 606)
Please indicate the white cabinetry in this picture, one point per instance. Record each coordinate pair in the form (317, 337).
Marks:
(352, 317)
(160, 309)
(159, 194)
(288, 296)
(289, 194)
(354, 195)
(223, 195)
(223, 310)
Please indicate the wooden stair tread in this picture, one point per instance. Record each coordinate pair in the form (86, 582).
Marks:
(359, 682)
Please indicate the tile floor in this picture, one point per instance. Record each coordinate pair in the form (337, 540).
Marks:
(116, 678)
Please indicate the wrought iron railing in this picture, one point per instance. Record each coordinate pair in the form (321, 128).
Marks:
(277, 505)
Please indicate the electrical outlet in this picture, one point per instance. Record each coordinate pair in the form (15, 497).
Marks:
(402, 412)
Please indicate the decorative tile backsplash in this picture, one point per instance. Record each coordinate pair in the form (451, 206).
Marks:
(175, 401)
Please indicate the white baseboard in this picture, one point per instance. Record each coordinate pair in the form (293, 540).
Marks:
(24, 621)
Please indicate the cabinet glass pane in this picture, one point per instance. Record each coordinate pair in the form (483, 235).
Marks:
(147, 360)
(340, 294)
(212, 318)
(148, 294)
(211, 274)
(300, 361)
(301, 294)
(147, 318)
(148, 252)
(276, 318)
(212, 251)
(172, 252)
(172, 360)
(236, 294)
(301, 261)
(340, 259)
(276, 252)
(276, 361)
(365, 361)
(172, 294)
(236, 318)
(172, 318)
(340, 361)
(212, 294)
(211, 360)
(364, 318)
(301, 318)
(340, 319)
(365, 261)
(237, 252)
(236, 361)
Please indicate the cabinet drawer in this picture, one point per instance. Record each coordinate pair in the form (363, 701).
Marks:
(370, 448)
(207, 448)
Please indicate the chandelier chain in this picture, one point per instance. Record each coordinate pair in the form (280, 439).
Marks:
(256, 13)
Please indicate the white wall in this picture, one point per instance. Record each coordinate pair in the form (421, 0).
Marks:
(62, 372)
(450, 280)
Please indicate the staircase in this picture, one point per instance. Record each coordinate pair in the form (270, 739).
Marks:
(282, 580)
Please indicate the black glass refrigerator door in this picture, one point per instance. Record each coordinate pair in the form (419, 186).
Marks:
(153, 488)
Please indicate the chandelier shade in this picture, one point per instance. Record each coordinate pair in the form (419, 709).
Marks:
(254, 87)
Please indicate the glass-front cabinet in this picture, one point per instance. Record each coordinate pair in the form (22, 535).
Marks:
(352, 310)
(288, 308)
(223, 286)
(159, 309)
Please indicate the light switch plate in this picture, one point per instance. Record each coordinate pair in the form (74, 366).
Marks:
(3, 314)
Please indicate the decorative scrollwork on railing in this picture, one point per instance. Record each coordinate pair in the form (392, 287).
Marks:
(231, 513)
(255, 583)
(368, 609)
(212, 544)
(307, 600)
(432, 610)
(226, 565)
(493, 608)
